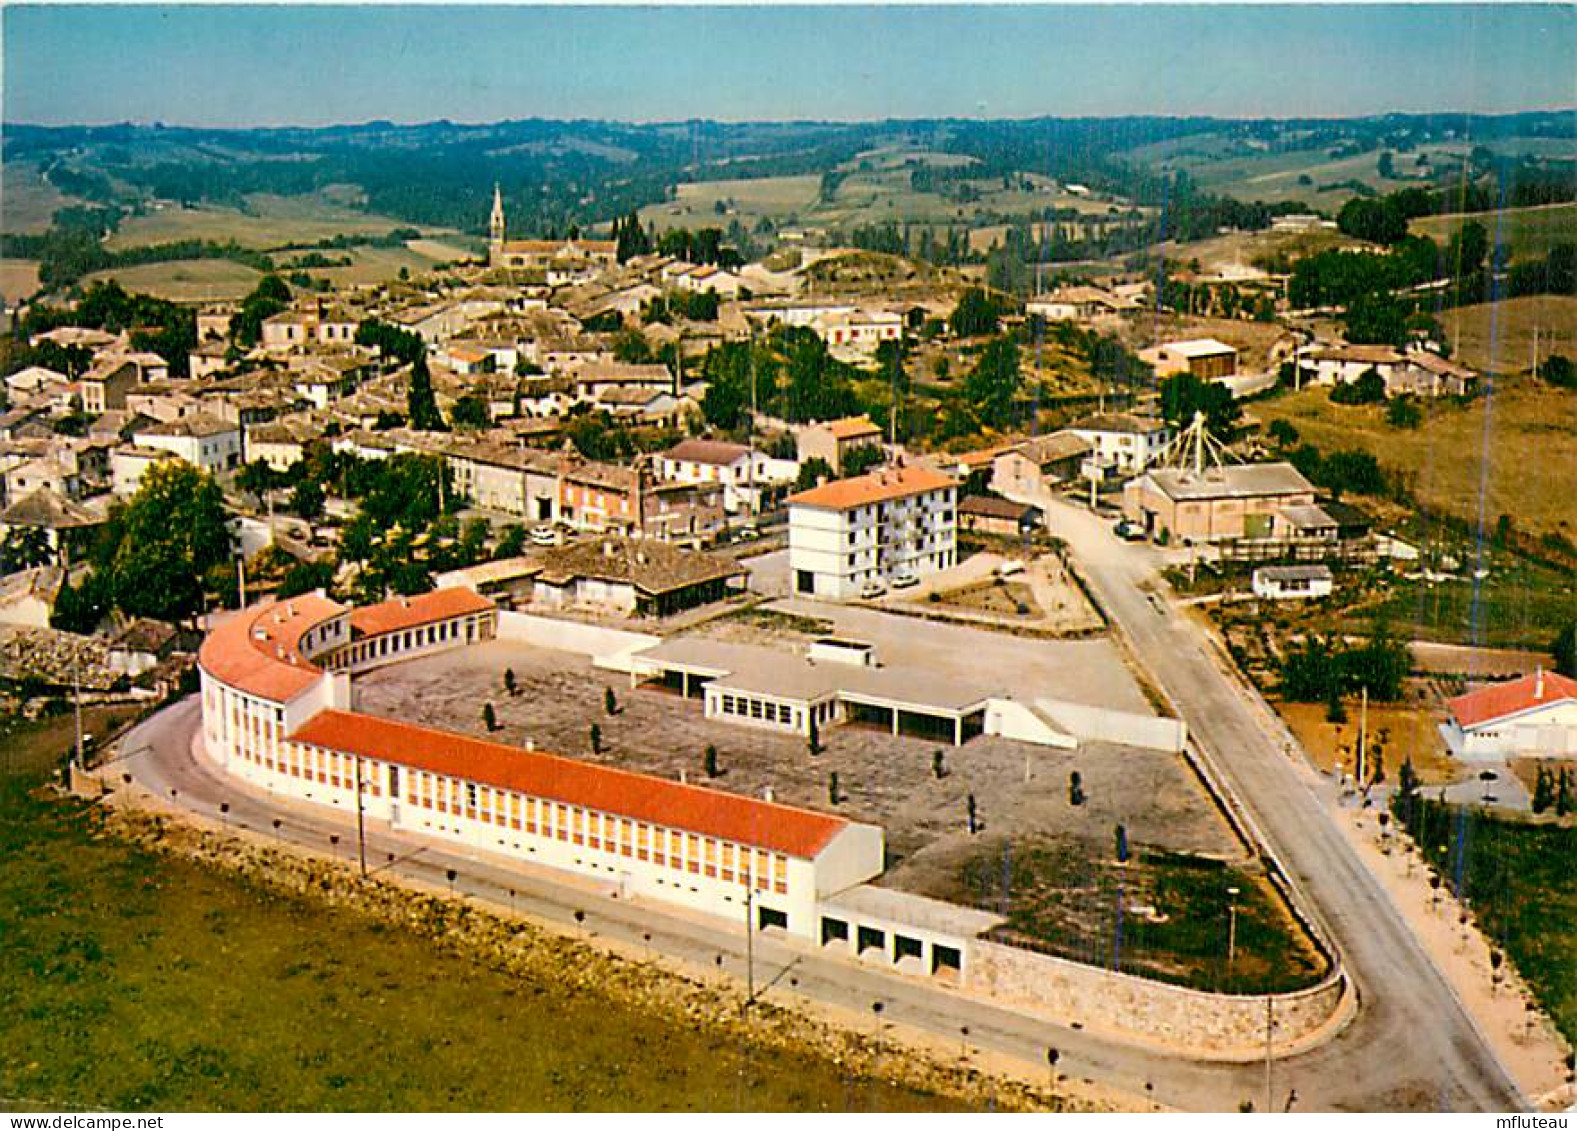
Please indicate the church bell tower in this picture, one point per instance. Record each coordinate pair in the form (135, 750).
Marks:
(495, 229)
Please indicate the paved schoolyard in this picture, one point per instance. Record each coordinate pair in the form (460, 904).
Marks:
(1019, 789)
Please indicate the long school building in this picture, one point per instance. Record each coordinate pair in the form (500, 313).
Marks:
(277, 713)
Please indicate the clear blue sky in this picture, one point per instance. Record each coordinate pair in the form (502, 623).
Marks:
(229, 66)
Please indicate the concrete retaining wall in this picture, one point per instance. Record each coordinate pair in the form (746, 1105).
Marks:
(1217, 1026)
(1101, 724)
(570, 636)
(1015, 720)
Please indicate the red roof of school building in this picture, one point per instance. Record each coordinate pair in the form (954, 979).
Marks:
(413, 612)
(1501, 700)
(257, 651)
(743, 820)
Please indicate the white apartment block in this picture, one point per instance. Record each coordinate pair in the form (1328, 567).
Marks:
(851, 533)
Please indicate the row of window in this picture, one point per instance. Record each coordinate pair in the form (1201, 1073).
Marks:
(746, 707)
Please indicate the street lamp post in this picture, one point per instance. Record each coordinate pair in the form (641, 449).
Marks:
(1232, 929)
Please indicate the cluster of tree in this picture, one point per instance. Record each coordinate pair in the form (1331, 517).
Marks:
(703, 245)
(1323, 668)
(1564, 648)
(162, 554)
(394, 237)
(631, 238)
(1553, 790)
(1369, 388)
(696, 306)
(1555, 274)
(1342, 472)
(793, 376)
(976, 314)
(992, 387)
(268, 298)
(1183, 396)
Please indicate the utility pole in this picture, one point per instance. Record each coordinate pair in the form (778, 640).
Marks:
(1270, 1004)
(1363, 734)
(240, 570)
(76, 698)
(361, 823)
(1232, 929)
(750, 943)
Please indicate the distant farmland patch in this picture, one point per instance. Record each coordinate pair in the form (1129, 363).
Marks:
(185, 280)
(269, 222)
(1528, 232)
(27, 201)
(18, 278)
(1499, 336)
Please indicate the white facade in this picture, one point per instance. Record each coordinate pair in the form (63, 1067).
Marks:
(836, 548)
(1532, 717)
(1127, 450)
(1279, 583)
(209, 445)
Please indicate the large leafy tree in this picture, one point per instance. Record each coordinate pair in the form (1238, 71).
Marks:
(165, 542)
(976, 313)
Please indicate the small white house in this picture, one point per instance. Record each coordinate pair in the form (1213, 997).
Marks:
(1531, 717)
(203, 441)
(1282, 583)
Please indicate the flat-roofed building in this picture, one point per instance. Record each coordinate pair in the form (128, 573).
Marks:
(852, 533)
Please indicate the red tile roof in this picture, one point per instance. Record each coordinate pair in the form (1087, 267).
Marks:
(743, 820)
(257, 650)
(875, 487)
(413, 612)
(1501, 700)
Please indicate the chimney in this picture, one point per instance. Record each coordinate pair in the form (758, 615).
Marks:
(682, 779)
(1538, 683)
(766, 793)
(531, 744)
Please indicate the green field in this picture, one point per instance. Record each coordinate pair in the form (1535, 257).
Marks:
(135, 980)
(377, 264)
(267, 223)
(1528, 232)
(1517, 449)
(1518, 879)
(185, 280)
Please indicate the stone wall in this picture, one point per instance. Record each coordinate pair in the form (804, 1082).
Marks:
(1218, 1026)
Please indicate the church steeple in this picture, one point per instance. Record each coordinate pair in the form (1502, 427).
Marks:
(496, 222)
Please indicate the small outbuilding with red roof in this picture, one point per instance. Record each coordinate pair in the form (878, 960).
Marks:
(1531, 717)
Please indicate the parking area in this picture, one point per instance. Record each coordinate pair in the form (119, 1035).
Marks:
(894, 781)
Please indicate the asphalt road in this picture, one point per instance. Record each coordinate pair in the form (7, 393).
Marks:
(1412, 1044)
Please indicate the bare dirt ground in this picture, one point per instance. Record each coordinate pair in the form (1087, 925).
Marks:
(1019, 789)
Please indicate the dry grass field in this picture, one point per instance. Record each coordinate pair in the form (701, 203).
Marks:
(1498, 337)
(1396, 731)
(18, 278)
(1517, 448)
(185, 280)
(269, 222)
(27, 201)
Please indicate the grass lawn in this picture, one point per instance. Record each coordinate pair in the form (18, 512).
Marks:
(1529, 232)
(1519, 880)
(1163, 915)
(130, 980)
(1519, 605)
(1498, 336)
(1519, 448)
(185, 280)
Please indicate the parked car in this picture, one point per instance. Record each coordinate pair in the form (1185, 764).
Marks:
(872, 590)
(906, 581)
(544, 536)
(1129, 531)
